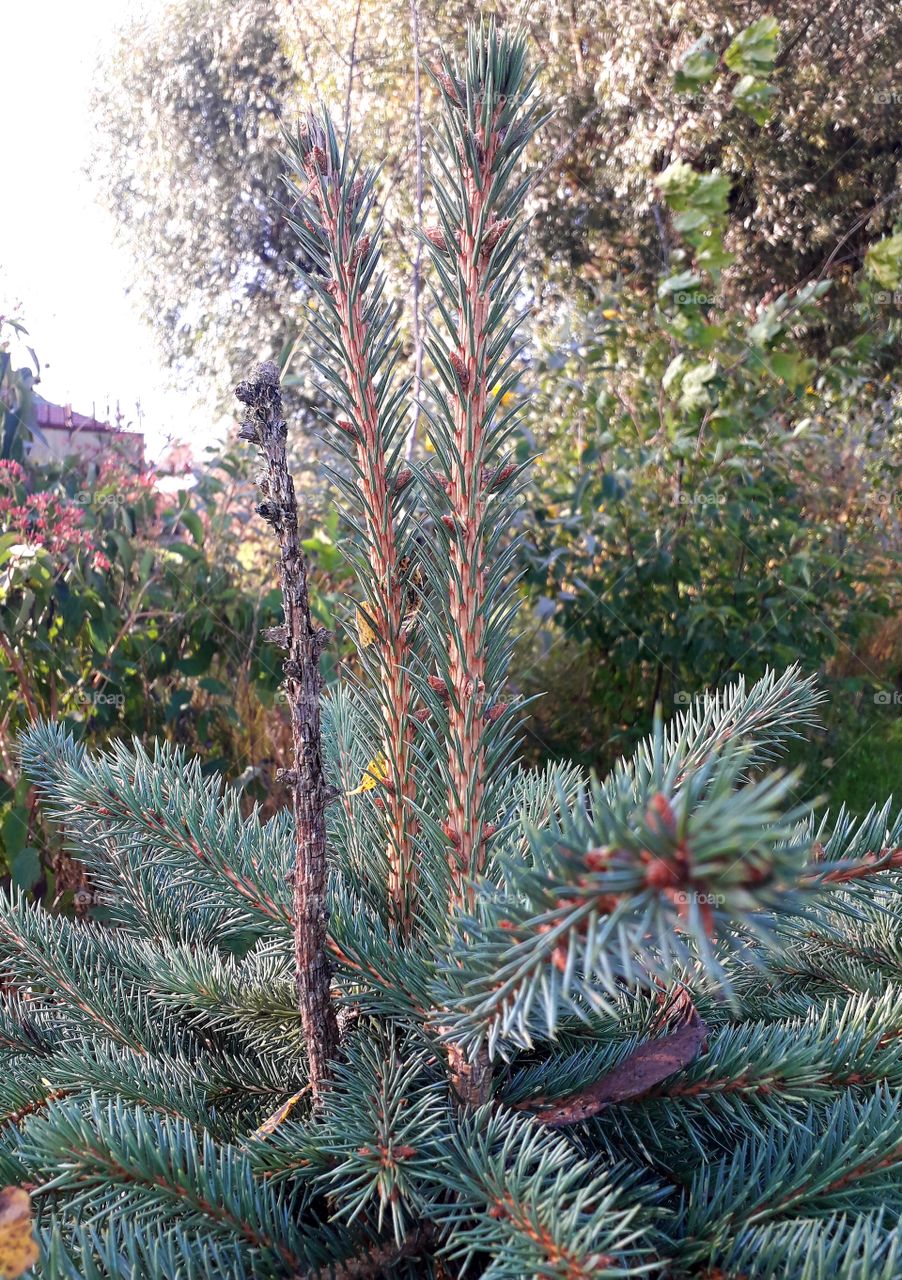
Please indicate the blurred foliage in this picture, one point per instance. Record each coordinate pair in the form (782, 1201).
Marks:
(188, 155)
(697, 514)
(16, 396)
(714, 496)
(715, 277)
(795, 105)
(124, 611)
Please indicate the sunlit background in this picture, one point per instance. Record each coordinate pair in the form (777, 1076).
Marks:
(59, 264)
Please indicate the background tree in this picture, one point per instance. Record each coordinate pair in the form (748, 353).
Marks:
(192, 98)
(189, 105)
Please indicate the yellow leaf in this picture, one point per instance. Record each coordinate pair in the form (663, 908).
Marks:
(365, 633)
(374, 773)
(272, 1122)
(610, 314)
(18, 1250)
(508, 398)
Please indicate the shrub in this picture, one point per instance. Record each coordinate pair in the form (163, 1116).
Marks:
(713, 498)
(124, 612)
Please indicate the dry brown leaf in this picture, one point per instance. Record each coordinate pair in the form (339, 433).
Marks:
(366, 634)
(641, 1070)
(18, 1250)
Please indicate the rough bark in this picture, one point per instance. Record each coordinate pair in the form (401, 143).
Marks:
(265, 427)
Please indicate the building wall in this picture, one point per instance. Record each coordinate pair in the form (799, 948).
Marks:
(95, 444)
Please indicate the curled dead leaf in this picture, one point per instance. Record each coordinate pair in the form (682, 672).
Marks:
(375, 773)
(646, 1066)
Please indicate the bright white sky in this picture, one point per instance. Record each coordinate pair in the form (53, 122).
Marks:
(57, 257)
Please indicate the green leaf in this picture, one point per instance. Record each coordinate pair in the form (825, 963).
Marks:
(754, 97)
(766, 327)
(677, 183)
(789, 368)
(712, 192)
(686, 191)
(697, 67)
(883, 261)
(184, 551)
(14, 831)
(7, 541)
(673, 371)
(25, 868)
(693, 390)
(683, 282)
(216, 687)
(177, 703)
(193, 523)
(195, 664)
(125, 549)
(754, 51)
(145, 568)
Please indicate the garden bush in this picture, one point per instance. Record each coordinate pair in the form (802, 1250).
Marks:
(125, 612)
(718, 490)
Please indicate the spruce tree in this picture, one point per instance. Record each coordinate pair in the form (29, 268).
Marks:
(445, 1015)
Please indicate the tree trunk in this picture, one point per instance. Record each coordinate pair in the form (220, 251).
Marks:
(265, 427)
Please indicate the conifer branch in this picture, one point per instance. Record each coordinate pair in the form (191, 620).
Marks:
(487, 119)
(466, 502)
(265, 426)
(358, 345)
(417, 281)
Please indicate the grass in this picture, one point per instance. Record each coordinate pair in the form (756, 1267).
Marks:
(856, 759)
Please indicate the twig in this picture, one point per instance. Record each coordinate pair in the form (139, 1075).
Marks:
(265, 427)
(19, 670)
(352, 66)
(868, 865)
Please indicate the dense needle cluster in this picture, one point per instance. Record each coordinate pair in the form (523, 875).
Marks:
(449, 1016)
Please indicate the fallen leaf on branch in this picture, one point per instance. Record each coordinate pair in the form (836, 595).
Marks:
(271, 1123)
(375, 773)
(18, 1250)
(641, 1070)
(366, 633)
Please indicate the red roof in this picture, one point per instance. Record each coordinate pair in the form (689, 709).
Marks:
(63, 416)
